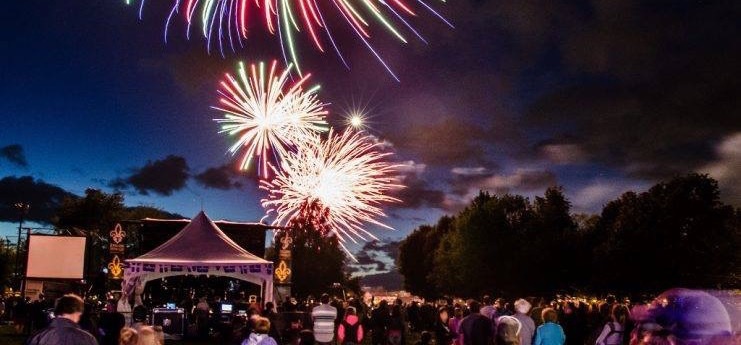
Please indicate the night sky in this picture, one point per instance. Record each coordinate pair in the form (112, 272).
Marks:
(599, 97)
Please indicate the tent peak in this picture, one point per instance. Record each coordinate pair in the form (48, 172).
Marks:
(200, 241)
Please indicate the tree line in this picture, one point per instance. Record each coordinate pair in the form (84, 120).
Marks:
(93, 216)
(676, 234)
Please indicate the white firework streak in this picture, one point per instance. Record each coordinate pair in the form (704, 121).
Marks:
(346, 174)
(267, 114)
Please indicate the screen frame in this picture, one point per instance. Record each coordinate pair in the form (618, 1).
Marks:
(224, 311)
(28, 256)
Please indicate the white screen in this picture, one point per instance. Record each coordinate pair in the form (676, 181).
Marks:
(56, 257)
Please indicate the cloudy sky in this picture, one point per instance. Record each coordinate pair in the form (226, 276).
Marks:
(599, 97)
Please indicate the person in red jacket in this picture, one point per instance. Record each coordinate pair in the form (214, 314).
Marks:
(350, 331)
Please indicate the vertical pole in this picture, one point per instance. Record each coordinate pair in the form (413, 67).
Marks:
(18, 249)
(22, 208)
(23, 266)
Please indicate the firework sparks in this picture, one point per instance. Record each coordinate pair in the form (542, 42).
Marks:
(267, 114)
(229, 21)
(346, 175)
(356, 120)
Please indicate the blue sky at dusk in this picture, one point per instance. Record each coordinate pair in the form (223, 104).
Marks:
(518, 97)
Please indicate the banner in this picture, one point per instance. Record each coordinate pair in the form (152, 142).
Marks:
(282, 271)
(116, 251)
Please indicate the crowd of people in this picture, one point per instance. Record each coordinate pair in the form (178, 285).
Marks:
(677, 317)
(491, 321)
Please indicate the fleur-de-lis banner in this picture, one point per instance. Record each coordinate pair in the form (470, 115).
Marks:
(115, 268)
(282, 273)
(116, 250)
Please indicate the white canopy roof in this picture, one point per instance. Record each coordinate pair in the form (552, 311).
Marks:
(200, 242)
(201, 248)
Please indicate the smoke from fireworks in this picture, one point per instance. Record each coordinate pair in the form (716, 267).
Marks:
(228, 21)
(346, 176)
(267, 114)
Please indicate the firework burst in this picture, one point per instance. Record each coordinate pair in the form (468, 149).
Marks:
(346, 176)
(267, 114)
(228, 21)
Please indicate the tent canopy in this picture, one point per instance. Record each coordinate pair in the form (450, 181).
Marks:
(200, 242)
(201, 248)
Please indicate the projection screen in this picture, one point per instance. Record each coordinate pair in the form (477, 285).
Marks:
(60, 257)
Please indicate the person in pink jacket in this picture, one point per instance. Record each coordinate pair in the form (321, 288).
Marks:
(350, 331)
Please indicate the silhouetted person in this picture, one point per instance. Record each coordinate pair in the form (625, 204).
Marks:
(443, 334)
(380, 320)
(475, 329)
(64, 329)
(110, 327)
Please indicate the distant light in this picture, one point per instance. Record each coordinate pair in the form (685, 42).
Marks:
(356, 119)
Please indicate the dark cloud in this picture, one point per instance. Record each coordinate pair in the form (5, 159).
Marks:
(417, 192)
(43, 198)
(388, 248)
(466, 183)
(162, 177)
(14, 154)
(376, 256)
(656, 89)
(224, 177)
(441, 138)
(367, 259)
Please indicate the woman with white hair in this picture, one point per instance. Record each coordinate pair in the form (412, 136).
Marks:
(508, 331)
(522, 307)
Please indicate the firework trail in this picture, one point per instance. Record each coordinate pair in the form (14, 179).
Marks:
(225, 22)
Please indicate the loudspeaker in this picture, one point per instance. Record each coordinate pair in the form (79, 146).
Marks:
(171, 320)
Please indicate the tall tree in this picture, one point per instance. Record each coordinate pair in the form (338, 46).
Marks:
(553, 244)
(678, 233)
(95, 212)
(317, 260)
(416, 258)
(480, 254)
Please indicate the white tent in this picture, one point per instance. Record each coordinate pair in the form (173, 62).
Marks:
(201, 248)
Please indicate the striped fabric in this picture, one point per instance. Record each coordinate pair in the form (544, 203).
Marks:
(324, 316)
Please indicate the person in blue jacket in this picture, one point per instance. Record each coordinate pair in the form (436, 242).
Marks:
(549, 333)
